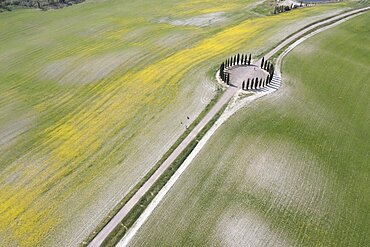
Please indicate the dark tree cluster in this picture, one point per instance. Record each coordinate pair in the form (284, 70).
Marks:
(285, 8)
(8, 5)
(269, 67)
(255, 83)
(243, 59)
(238, 59)
(225, 76)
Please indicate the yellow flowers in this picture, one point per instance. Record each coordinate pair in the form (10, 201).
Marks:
(88, 135)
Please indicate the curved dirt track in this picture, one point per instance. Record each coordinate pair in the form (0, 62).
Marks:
(227, 96)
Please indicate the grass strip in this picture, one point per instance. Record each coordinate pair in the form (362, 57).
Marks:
(275, 56)
(299, 30)
(116, 235)
(132, 192)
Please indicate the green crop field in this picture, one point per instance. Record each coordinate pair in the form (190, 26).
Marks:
(292, 169)
(92, 96)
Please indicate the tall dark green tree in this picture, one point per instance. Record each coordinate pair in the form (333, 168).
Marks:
(252, 84)
(238, 59)
(243, 85)
(222, 68)
(250, 59)
(268, 79)
(248, 82)
(262, 62)
(242, 59)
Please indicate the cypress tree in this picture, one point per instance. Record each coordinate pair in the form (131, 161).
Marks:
(243, 85)
(260, 85)
(262, 62)
(245, 59)
(268, 79)
(252, 83)
(242, 59)
(248, 81)
(222, 70)
(235, 62)
(238, 59)
(250, 58)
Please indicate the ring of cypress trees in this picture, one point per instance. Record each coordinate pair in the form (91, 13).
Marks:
(246, 59)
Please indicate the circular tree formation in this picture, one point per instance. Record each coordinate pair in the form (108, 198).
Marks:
(256, 77)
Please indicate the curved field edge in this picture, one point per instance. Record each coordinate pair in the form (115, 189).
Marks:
(289, 170)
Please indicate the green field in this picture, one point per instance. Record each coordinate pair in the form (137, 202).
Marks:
(92, 95)
(292, 169)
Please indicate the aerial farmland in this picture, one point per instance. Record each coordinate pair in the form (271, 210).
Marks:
(134, 123)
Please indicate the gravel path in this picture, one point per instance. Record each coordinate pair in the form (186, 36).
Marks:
(231, 92)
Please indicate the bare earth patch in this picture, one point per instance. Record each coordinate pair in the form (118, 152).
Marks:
(198, 21)
(238, 227)
(279, 171)
(238, 74)
(77, 70)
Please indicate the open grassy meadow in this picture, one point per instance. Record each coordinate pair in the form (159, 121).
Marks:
(92, 95)
(292, 169)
